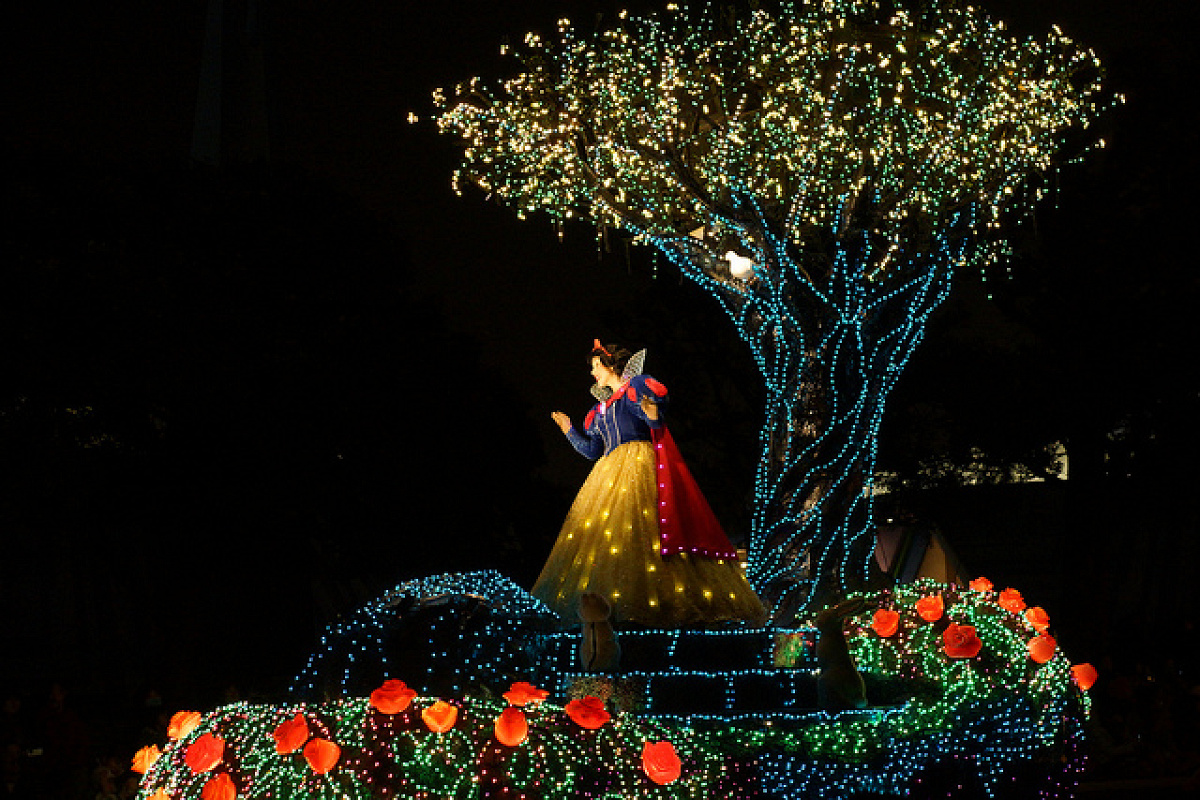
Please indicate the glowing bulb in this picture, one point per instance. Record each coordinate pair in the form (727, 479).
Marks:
(740, 266)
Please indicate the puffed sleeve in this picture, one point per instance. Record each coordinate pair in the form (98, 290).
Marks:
(645, 386)
(590, 443)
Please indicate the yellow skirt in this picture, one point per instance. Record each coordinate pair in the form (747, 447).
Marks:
(609, 544)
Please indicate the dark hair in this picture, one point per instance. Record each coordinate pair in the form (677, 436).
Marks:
(612, 356)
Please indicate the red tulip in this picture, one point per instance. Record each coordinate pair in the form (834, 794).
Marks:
(392, 697)
(1085, 675)
(144, 759)
(183, 723)
(440, 717)
(321, 755)
(885, 622)
(522, 693)
(511, 727)
(219, 788)
(961, 641)
(291, 735)
(205, 753)
(931, 608)
(1041, 648)
(1011, 600)
(1038, 618)
(981, 585)
(588, 713)
(661, 762)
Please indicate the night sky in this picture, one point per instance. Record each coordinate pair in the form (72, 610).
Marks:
(301, 373)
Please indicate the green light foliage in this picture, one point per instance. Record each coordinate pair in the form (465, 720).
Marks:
(998, 710)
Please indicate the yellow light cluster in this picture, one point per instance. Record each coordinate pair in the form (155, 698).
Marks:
(827, 116)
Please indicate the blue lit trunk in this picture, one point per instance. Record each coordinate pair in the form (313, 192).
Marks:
(829, 360)
(829, 354)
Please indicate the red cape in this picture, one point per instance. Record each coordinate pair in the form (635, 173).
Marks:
(686, 523)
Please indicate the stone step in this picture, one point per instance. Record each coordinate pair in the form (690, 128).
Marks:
(693, 672)
(652, 651)
(711, 693)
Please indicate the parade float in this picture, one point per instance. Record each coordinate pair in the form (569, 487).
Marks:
(824, 170)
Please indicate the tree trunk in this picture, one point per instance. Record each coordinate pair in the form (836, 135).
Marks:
(829, 357)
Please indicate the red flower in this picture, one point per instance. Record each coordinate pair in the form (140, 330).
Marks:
(219, 788)
(522, 693)
(511, 727)
(961, 641)
(931, 608)
(1085, 675)
(1038, 618)
(885, 622)
(321, 755)
(661, 762)
(1041, 648)
(392, 697)
(183, 723)
(291, 735)
(588, 713)
(205, 753)
(1011, 600)
(440, 717)
(981, 585)
(144, 759)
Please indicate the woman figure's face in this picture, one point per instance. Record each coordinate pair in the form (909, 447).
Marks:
(602, 374)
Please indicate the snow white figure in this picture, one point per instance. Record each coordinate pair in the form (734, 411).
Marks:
(640, 533)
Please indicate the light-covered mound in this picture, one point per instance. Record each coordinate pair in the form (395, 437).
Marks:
(992, 706)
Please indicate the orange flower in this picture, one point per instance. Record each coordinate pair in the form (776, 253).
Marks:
(291, 735)
(1038, 618)
(144, 759)
(440, 717)
(511, 727)
(522, 693)
(1085, 675)
(1011, 600)
(931, 608)
(183, 723)
(981, 584)
(885, 622)
(392, 697)
(1041, 648)
(961, 641)
(219, 788)
(321, 755)
(205, 753)
(588, 713)
(661, 762)
(161, 794)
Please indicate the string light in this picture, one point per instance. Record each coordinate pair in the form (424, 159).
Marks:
(856, 154)
(997, 717)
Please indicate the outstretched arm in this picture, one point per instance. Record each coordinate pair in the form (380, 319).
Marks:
(588, 445)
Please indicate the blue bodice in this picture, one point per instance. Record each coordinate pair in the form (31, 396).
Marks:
(619, 419)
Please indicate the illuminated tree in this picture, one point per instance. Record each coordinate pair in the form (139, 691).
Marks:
(822, 169)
